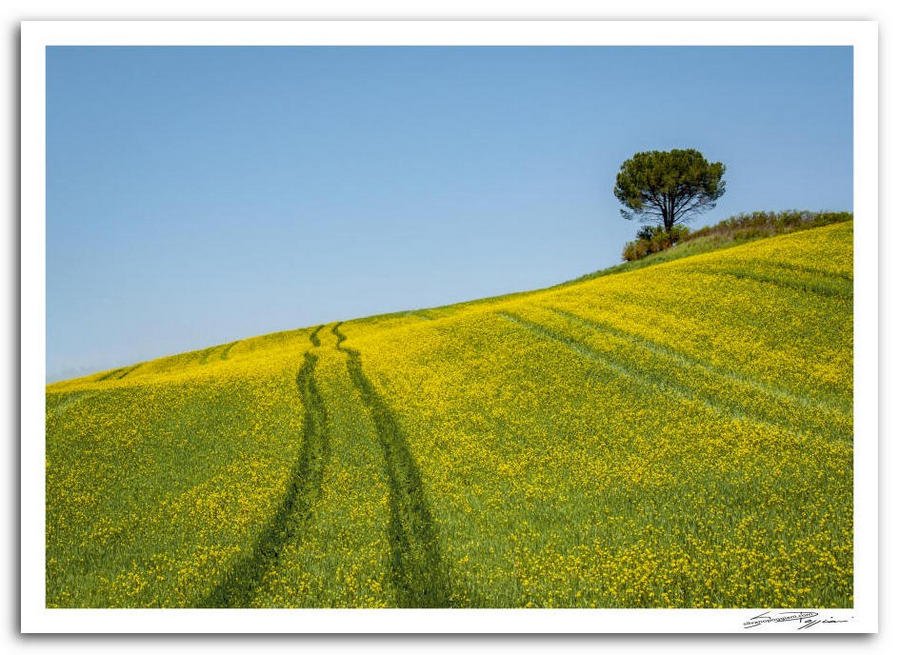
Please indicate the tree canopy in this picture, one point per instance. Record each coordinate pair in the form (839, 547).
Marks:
(668, 187)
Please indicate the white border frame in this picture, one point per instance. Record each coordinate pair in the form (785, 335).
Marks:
(861, 35)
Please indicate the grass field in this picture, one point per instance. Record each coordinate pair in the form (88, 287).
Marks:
(674, 436)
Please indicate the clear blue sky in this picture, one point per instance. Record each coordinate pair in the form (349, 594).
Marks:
(200, 195)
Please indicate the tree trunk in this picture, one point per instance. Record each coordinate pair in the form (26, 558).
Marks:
(669, 215)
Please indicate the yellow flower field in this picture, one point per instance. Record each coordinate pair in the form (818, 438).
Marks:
(675, 436)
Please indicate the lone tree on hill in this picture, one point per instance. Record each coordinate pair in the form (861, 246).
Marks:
(668, 187)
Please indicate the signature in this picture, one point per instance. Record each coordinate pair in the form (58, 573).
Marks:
(806, 619)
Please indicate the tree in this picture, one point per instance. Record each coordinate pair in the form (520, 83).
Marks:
(645, 233)
(668, 187)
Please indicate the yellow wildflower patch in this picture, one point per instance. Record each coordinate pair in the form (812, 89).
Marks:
(675, 436)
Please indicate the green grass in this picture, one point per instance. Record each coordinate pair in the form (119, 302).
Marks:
(675, 432)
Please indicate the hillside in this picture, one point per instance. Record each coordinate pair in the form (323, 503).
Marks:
(676, 435)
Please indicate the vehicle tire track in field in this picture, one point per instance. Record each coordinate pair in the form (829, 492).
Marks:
(128, 371)
(107, 376)
(117, 373)
(417, 572)
(785, 283)
(685, 359)
(204, 356)
(304, 489)
(656, 382)
(227, 349)
(833, 275)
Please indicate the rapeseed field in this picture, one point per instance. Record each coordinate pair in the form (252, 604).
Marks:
(675, 436)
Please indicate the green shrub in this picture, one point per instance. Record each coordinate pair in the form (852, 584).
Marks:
(739, 228)
(635, 250)
(754, 225)
(653, 239)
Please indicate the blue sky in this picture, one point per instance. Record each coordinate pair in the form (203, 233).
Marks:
(200, 195)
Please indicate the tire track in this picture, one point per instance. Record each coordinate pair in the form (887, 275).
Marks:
(417, 572)
(653, 381)
(227, 349)
(128, 371)
(785, 283)
(113, 374)
(117, 373)
(204, 355)
(237, 588)
(833, 275)
(687, 360)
